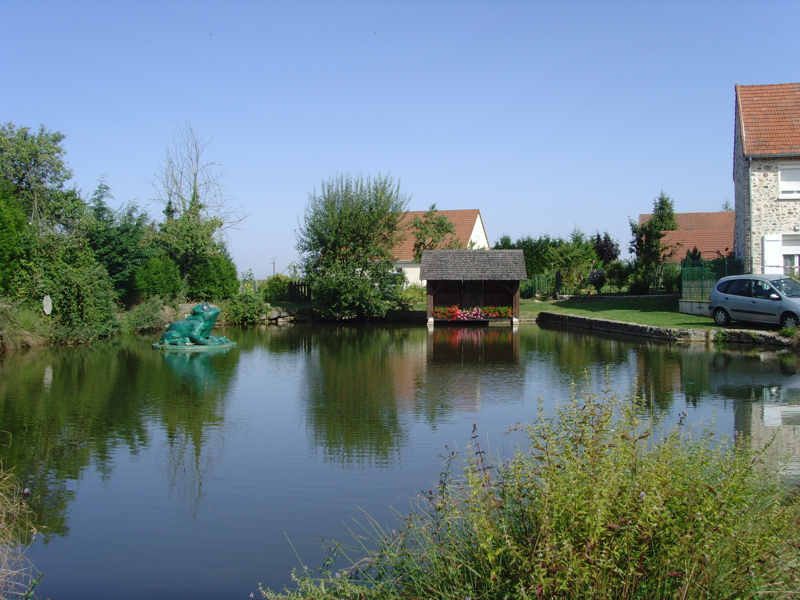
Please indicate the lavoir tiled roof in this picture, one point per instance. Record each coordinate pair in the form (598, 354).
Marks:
(769, 117)
(473, 265)
(463, 222)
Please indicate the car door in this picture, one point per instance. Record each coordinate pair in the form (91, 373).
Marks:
(739, 299)
(765, 309)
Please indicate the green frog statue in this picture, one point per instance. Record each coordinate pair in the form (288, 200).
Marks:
(194, 331)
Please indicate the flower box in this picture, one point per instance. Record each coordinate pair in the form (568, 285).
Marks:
(476, 313)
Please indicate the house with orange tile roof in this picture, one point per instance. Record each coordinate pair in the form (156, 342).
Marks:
(766, 176)
(710, 232)
(469, 233)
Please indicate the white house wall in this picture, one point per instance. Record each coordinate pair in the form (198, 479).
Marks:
(478, 239)
(411, 271)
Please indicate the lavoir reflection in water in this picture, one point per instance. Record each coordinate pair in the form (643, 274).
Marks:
(166, 476)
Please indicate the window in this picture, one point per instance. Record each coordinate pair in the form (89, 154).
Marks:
(723, 287)
(789, 287)
(739, 287)
(789, 182)
(762, 289)
(791, 262)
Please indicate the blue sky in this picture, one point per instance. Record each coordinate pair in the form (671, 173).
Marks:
(545, 116)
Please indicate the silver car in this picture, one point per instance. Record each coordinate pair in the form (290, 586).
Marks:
(773, 299)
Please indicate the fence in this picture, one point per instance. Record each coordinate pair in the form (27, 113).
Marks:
(298, 291)
(699, 276)
(542, 285)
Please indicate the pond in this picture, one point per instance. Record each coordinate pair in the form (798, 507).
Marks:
(166, 475)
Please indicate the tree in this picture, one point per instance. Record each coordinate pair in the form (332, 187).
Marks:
(189, 186)
(191, 238)
(187, 180)
(646, 244)
(433, 231)
(573, 260)
(664, 213)
(693, 255)
(33, 165)
(345, 241)
(538, 252)
(15, 235)
(121, 241)
(606, 248)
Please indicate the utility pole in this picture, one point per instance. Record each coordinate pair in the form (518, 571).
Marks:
(273, 258)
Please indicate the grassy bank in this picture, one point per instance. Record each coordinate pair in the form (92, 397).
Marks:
(596, 508)
(657, 310)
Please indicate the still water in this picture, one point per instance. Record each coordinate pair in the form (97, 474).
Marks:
(169, 476)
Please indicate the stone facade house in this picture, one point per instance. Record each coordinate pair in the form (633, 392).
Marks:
(469, 233)
(766, 177)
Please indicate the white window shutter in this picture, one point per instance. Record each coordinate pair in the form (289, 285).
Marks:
(789, 182)
(772, 255)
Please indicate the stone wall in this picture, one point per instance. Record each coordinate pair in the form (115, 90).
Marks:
(742, 239)
(666, 334)
(768, 213)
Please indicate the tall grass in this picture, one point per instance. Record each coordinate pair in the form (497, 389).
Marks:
(22, 325)
(17, 575)
(594, 508)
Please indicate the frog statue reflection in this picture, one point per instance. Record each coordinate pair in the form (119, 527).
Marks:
(194, 331)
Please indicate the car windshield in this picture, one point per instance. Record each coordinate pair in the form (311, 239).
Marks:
(788, 286)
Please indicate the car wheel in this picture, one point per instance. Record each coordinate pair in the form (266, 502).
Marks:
(721, 316)
(789, 320)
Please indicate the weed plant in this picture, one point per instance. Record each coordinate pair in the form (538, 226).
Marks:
(595, 508)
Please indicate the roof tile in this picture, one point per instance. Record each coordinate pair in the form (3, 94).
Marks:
(463, 222)
(473, 265)
(770, 119)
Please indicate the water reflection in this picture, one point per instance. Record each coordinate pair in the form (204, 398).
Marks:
(64, 410)
(472, 345)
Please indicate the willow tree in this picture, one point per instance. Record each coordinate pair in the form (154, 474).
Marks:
(345, 241)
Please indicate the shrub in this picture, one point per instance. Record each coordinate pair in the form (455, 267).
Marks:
(672, 278)
(213, 278)
(145, 317)
(414, 294)
(276, 288)
(158, 277)
(526, 289)
(84, 301)
(597, 279)
(639, 283)
(618, 273)
(595, 509)
(245, 308)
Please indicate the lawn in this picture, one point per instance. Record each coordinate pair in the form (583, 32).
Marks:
(657, 311)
